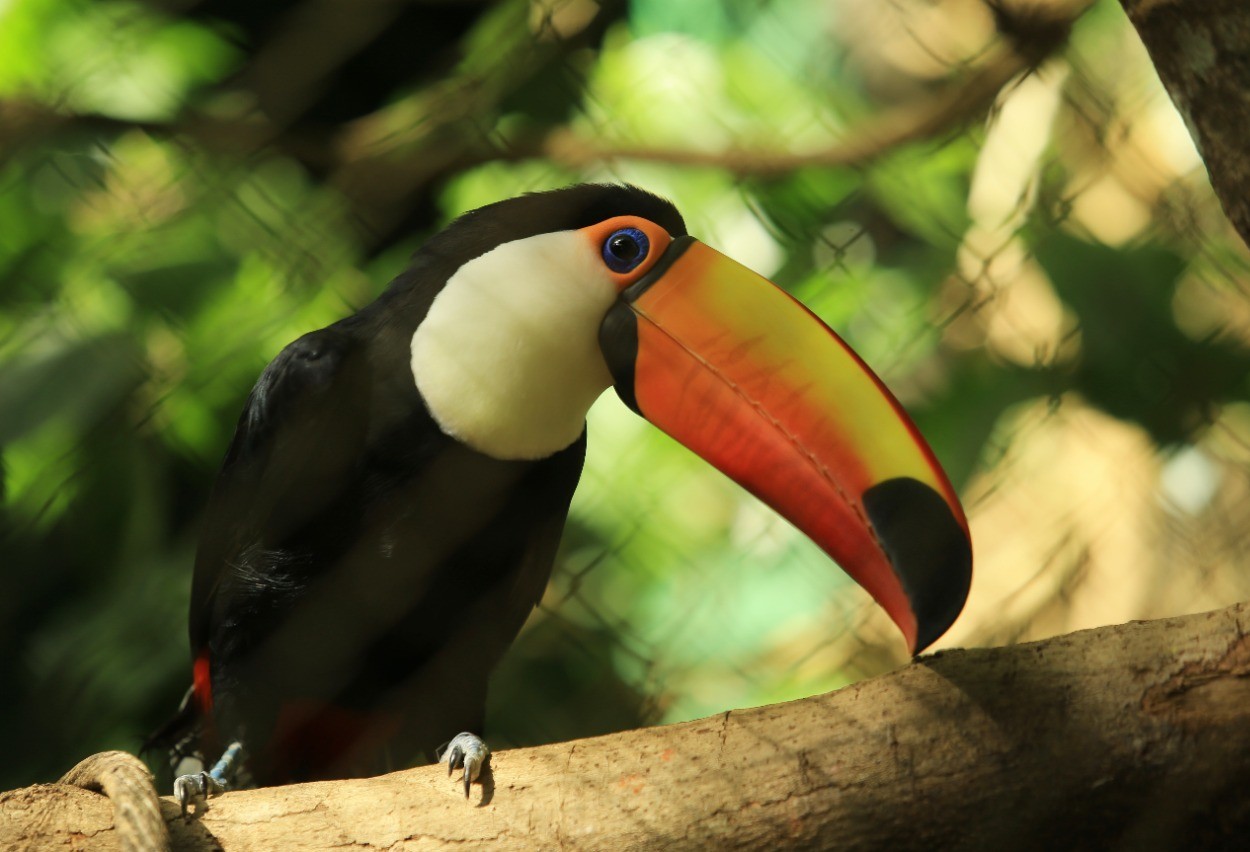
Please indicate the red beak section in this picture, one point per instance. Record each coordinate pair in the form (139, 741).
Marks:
(750, 380)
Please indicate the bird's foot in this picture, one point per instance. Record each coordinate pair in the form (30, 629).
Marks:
(468, 751)
(196, 789)
(200, 786)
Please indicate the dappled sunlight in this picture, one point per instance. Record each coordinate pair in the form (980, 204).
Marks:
(1074, 471)
(1033, 263)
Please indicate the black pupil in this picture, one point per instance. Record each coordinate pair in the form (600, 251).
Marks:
(624, 247)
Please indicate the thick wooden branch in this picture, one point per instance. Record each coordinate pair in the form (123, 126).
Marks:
(1133, 737)
(1201, 49)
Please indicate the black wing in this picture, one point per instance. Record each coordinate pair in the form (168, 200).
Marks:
(298, 441)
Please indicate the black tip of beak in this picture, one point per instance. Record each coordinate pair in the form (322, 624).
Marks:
(928, 548)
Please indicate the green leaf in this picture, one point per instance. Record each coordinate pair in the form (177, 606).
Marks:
(1135, 362)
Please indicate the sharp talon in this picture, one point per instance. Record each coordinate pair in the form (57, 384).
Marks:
(466, 751)
(202, 786)
(453, 755)
(183, 795)
(193, 788)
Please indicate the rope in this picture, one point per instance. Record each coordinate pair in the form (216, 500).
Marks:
(136, 808)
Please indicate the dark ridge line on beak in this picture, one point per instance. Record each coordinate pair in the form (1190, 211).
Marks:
(822, 470)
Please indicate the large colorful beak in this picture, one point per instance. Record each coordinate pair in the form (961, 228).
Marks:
(742, 374)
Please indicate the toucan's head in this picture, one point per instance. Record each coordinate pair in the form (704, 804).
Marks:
(552, 297)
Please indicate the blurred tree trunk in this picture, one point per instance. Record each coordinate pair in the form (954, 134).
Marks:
(1201, 49)
(1132, 737)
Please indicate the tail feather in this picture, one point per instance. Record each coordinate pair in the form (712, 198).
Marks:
(180, 736)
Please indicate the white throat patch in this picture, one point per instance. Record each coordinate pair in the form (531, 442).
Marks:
(508, 357)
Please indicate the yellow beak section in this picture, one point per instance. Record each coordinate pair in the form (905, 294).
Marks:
(745, 376)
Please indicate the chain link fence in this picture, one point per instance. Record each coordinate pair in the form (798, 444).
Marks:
(997, 206)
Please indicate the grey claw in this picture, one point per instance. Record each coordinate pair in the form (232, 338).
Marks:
(188, 789)
(468, 751)
(454, 755)
(196, 788)
(183, 786)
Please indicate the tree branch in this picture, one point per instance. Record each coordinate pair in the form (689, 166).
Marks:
(1200, 50)
(1033, 31)
(382, 158)
(1132, 736)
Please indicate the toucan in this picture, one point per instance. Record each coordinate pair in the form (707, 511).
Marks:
(388, 511)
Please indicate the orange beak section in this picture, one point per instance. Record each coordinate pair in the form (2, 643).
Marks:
(739, 372)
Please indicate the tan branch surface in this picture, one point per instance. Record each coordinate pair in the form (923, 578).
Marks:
(1134, 736)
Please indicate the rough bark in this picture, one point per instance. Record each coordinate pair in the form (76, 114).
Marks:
(1201, 49)
(1132, 737)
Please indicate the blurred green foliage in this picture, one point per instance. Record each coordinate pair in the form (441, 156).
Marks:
(149, 270)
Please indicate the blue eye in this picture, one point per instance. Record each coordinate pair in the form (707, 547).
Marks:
(625, 249)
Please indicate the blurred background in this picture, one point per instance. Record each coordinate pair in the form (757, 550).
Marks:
(1034, 262)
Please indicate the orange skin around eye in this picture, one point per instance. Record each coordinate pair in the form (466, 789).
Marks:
(596, 235)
